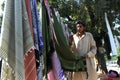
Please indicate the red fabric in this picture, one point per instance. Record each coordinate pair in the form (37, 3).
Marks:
(30, 66)
(28, 7)
(108, 79)
(112, 79)
(30, 61)
(115, 78)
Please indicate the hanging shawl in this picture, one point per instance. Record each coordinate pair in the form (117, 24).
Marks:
(16, 38)
(38, 42)
(68, 60)
(46, 36)
(56, 65)
(111, 37)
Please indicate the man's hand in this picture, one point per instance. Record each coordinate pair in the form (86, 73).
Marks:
(87, 56)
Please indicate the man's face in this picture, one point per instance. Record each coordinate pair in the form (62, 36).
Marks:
(80, 28)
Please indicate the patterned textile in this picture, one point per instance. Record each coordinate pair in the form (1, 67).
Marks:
(31, 74)
(7, 72)
(30, 65)
(16, 38)
(38, 41)
(57, 70)
(36, 26)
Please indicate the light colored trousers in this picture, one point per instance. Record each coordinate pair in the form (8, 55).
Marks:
(79, 76)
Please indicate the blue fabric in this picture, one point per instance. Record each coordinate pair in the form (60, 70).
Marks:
(37, 28)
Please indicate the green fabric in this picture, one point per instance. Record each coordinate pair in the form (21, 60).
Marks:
(46, 36)
(68, 60)
(16, 38)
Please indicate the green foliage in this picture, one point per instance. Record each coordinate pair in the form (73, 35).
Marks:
(1, 14)
(119, 49)
(90, 11)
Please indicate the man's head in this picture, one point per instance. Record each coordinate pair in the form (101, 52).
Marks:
(80, 25)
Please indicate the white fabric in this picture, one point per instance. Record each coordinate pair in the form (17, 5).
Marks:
(82, 46)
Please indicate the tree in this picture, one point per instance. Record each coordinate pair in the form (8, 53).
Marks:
(1, 14)
(92, 12)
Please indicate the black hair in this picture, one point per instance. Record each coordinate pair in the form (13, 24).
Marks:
(80, 22)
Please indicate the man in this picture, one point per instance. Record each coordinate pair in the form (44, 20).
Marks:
(83, 44)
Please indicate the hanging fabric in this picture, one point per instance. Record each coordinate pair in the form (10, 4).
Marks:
(38, 41)
(30, 65)
(68, 60)
(46, 38)
(56, 65)
(58, 72)
(36, 26)
(64, 27)
(16, 39)
(37, 35)
(29, 12)
(111, 38)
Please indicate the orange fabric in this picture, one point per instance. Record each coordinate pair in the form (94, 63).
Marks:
(30, 66)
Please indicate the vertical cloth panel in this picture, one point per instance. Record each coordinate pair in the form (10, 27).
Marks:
(29, 12)
(30, 66)
(112, 41)
(57, 70)
(16, 39)
(36, 26)
(29, 59)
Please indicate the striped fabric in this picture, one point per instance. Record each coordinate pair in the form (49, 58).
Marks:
(30, 65)
(57, 70)
(16, 38)
(30, 59)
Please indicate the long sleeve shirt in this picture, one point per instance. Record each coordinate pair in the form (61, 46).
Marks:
(84, 45)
